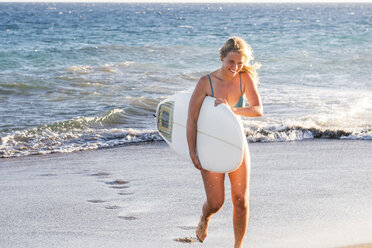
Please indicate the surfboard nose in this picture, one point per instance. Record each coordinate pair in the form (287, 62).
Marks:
(164, 120)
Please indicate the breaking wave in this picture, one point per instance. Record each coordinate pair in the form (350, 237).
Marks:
(89, 133)
(83, 133)
(297, 133)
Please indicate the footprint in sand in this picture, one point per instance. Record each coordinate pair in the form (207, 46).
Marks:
(48, 175)
(187, 227)
(120, 187)
(100, 174)
(124, 193)
(112, 207)
(127, 217)
(118, 184)
(186, 240)
(96, 201)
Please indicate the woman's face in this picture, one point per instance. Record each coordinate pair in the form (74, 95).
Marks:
(233, 63)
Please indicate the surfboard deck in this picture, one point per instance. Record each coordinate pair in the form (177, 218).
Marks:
(220, 133)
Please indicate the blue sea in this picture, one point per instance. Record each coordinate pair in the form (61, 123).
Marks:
(81, 76)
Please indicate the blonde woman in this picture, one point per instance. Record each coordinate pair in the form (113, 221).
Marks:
(228, 85)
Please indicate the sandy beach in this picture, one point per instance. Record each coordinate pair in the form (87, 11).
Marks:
(312, 193)
(82, 163)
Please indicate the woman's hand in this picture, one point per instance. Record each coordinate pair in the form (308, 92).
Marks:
(196, 162)
(219, 101)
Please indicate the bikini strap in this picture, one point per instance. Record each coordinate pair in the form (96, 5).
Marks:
(210, 82)
(241, 89)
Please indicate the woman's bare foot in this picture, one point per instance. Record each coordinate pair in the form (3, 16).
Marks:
(201, 231)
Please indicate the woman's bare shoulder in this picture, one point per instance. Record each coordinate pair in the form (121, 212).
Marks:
(204, 79)
(246, 76)
(248, 79)
(203, 84)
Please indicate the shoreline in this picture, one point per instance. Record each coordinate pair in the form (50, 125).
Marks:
(303, 194)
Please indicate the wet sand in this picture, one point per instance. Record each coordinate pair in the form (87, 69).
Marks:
(359, 246)
(304, 194)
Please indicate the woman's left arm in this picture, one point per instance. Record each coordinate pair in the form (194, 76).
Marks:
(255, 105)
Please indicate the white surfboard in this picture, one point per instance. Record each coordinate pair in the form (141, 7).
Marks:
(220, 134)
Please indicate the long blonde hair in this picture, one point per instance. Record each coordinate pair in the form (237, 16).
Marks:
(237, 44)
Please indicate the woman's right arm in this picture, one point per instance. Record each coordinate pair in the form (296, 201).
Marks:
(196, 101)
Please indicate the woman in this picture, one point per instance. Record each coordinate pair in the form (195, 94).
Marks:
(228, 85)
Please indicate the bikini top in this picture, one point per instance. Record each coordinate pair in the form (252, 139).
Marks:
(240, 103)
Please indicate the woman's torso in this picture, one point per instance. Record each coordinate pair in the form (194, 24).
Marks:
(232, 91)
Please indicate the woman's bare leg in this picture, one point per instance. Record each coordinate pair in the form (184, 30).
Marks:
(215, 191)
(240, 197)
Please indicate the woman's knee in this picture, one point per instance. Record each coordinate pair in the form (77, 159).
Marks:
(241, 202)
(215, 205)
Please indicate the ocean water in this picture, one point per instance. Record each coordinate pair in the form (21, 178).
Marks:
(87, 76)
